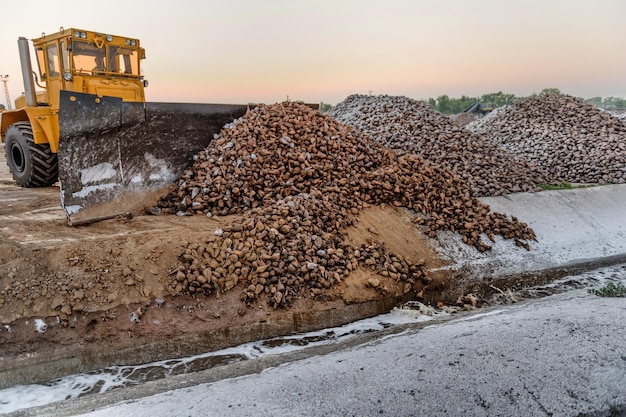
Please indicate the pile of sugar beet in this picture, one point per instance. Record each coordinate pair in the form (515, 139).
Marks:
(550, 139)
(404, 124)
(567, 139)
(297, 179)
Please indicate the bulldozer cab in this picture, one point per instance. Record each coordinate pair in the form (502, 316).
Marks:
(111, 60)
(89, 62)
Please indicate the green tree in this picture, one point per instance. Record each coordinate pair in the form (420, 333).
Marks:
(498, 99)
(443, 104)
(463, 103)
(325, 107)
(613, 103)
(596, 101)
(547, 91)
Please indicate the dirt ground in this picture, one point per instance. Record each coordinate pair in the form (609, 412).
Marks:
(64, 286)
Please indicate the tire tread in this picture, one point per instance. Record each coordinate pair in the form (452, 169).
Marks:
(44, 162)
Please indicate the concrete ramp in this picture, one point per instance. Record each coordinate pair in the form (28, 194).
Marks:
(573, 227)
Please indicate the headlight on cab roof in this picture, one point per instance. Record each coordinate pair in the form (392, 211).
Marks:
(131, 42)
(82, 35)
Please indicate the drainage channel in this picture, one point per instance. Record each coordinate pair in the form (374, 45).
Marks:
(592, 280)
(100, 381)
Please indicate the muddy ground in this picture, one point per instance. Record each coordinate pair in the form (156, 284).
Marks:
(108, 286)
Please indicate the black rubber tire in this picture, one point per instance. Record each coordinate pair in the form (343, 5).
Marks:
(31, 165)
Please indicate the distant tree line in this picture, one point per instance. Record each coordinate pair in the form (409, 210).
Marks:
(608, 103)
(449, 105)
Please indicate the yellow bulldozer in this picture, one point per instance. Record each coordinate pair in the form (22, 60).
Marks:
(89, 126)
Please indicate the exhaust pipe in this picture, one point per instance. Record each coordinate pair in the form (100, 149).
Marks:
(27, 72)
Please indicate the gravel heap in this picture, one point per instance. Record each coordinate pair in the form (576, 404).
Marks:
(569, 139)
(401, 123)
(300, 178)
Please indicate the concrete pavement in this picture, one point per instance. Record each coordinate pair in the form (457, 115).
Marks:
(563, 355)
(573, 227)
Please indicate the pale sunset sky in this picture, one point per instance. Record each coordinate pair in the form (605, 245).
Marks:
(245, 51)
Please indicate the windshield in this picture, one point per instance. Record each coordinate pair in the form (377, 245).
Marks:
(123, 60)
(88, 57)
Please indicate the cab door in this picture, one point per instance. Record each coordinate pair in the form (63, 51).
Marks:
(54, 73)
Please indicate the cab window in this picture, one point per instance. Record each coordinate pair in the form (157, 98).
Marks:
(54, 66)
(87, 57)
(41, 63)
(66, 56)
(123, 60)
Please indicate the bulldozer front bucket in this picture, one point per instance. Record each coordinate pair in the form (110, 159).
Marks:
(113, 155)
